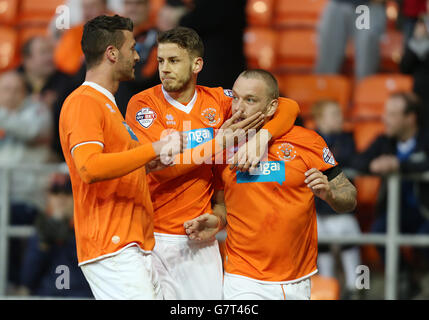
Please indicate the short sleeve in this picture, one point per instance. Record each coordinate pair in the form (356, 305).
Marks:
(83, 121)
(320, 157)
(145, 119)
(226, 102)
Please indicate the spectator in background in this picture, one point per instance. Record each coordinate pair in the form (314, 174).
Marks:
(146, 70)
(415, 61)
(328, 119)
(25, 133)
(404, 148)
(54, 245)
(42, 78)
(68, 54)
(411, 10)
(338, 25)
(46, 83)
(221, 26)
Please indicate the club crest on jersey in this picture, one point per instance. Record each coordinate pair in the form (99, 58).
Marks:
(146, 117)
(210, 116)
(286, 152)
(328, 157)
(228, 93)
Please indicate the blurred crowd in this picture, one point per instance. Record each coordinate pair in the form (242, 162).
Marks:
(51, 66)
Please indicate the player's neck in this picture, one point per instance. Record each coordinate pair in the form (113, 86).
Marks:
(185, 95)
(102, 78)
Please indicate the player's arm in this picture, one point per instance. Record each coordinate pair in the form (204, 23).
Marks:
(94, 165)
(283, 120)
(251, 153)
(208, 225)
(333, 187)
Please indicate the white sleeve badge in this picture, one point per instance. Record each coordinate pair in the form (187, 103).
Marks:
(146, 117)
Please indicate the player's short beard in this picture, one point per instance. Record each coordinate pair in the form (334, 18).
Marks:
(180, 85)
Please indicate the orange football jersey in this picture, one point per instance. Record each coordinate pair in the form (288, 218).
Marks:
(149, 113)
(272, 228)
(112, 214)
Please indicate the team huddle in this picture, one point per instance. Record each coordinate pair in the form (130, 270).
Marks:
(146, 220)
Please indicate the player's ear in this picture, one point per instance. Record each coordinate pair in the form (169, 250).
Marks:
(272, 107)
(197, 65)
(112, 54)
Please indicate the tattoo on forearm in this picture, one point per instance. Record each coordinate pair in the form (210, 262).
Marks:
(343, 194)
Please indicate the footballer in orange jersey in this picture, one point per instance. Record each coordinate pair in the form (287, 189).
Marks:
(269, 213)
(113, 214)
(188, 270)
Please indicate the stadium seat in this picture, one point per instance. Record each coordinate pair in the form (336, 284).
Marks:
(260, 48)
(24, 34)
(297, 50)
(324, 288)
(372, 92)
(308, 89)
(391, 50)
(298, 14)
(8, 47)
(155, 6)
(365, 133)
(259, 12)
(8, 12)
(38, 13)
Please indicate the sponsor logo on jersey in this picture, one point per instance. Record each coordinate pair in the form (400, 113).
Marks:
(170, 120)
(286, 152)
(210, 116)
(328, 157)
(228, 93)
(198, 136)
(130, 131)
(146, 117)
(267, 171)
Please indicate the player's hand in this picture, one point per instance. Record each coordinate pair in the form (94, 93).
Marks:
(251, 153)
(156, 165)
(318, 183)
(172, 144)
(203, 227)
(232, 131)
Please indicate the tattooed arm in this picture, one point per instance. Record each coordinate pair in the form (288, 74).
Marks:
(339, 192)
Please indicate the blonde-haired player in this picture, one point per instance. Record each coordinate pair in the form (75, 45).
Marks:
(270, 218)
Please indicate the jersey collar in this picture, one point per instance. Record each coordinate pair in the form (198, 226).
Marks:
(177, 104)
(102, 90)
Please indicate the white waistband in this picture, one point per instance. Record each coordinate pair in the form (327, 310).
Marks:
(177, 238)
(114, 253)
(272, 282)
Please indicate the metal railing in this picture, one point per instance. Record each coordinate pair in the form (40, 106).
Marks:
(392, 240)
(6, 230)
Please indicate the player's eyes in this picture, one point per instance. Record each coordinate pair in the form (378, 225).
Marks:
(251, 100)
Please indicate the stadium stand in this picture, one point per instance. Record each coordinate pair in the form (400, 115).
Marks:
(260, 48)
(307, 89)
(8, 12)
(298, 14)
(371, 93)
(8, 47)
(260, 12)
